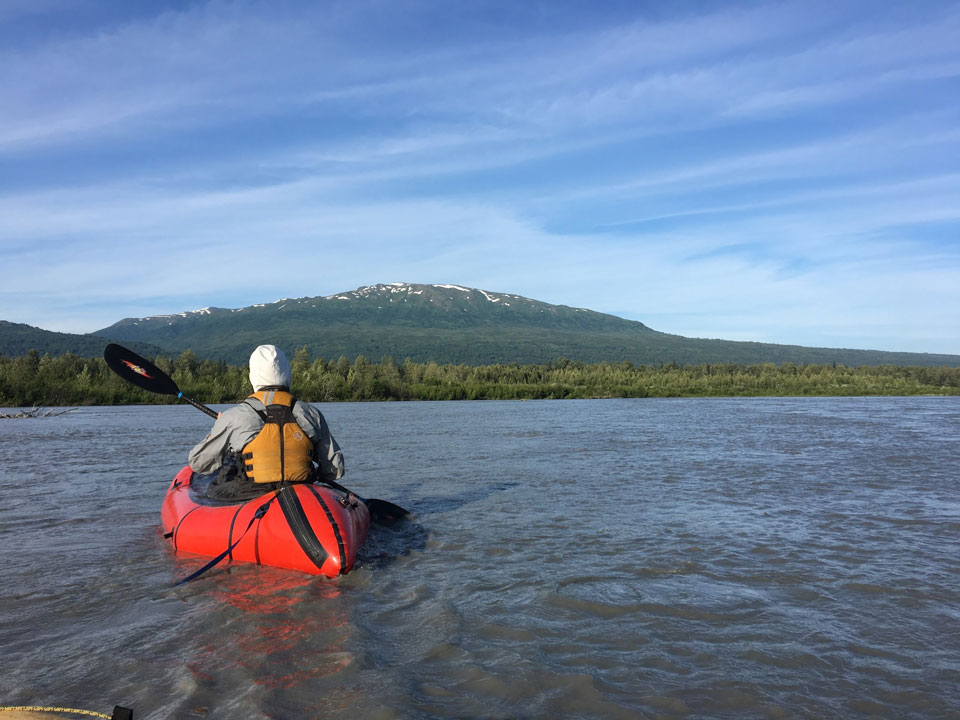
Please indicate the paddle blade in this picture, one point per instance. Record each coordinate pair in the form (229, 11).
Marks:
(385, 513)
(139, 371)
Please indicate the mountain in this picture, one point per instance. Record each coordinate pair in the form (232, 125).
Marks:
(454, 324)
(17, 339)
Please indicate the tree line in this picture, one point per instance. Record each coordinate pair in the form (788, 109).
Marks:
(64, 380)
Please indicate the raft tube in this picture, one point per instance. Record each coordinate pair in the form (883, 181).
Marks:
(307, 527)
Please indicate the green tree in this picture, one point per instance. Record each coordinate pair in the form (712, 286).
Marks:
(301, 361)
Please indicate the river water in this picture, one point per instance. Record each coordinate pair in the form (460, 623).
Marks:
(693, 558)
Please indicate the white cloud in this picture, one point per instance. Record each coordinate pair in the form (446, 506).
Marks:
(747, 172)
(189, 68)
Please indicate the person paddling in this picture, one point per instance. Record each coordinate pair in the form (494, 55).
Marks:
(268, 439)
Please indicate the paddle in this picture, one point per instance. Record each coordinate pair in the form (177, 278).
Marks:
(144, 374)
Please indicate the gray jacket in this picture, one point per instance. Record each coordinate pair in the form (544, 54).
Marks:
(239, 425)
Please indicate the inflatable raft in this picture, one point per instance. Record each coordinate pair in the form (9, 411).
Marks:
(307, 527)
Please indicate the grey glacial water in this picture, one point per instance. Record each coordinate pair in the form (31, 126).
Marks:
(748, 558)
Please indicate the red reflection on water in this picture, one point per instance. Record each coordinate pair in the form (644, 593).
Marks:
(292, 627)
(267, 591)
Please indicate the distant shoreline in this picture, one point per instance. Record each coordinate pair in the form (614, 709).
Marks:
(69, 381)
(56, 410)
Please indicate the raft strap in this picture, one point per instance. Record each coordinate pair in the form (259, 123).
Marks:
(261, 511)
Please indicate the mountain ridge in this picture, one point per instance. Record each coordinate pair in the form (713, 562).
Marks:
(428, 302)
(456, 324)
(445, 323)
(17, 339)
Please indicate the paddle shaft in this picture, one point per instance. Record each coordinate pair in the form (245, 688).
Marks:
(199, 406)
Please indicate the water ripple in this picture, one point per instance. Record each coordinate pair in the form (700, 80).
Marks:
(759, 558)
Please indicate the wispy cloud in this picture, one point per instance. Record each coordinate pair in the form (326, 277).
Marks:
(783, 172)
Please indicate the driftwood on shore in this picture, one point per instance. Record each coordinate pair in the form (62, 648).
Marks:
(34, 413)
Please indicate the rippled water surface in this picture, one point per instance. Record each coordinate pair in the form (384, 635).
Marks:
(754, 558)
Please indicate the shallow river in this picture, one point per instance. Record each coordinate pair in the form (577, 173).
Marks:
(703, 558)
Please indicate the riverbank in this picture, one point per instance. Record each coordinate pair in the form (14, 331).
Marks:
(69, 381)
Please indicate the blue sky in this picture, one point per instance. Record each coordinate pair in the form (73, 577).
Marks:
(780, 172)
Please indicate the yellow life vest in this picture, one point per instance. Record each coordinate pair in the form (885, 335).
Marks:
(281, 451)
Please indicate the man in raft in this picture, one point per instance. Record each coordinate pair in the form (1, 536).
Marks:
(268, 438)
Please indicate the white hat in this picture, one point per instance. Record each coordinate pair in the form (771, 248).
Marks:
(269, 368)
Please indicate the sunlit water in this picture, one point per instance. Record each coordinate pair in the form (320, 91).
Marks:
(755, 558)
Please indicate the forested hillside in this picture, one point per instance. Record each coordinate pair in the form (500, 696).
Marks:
(72, 380)
(16, 339)
(445, 324)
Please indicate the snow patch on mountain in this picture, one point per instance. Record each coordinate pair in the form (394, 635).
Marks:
(453, 287)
